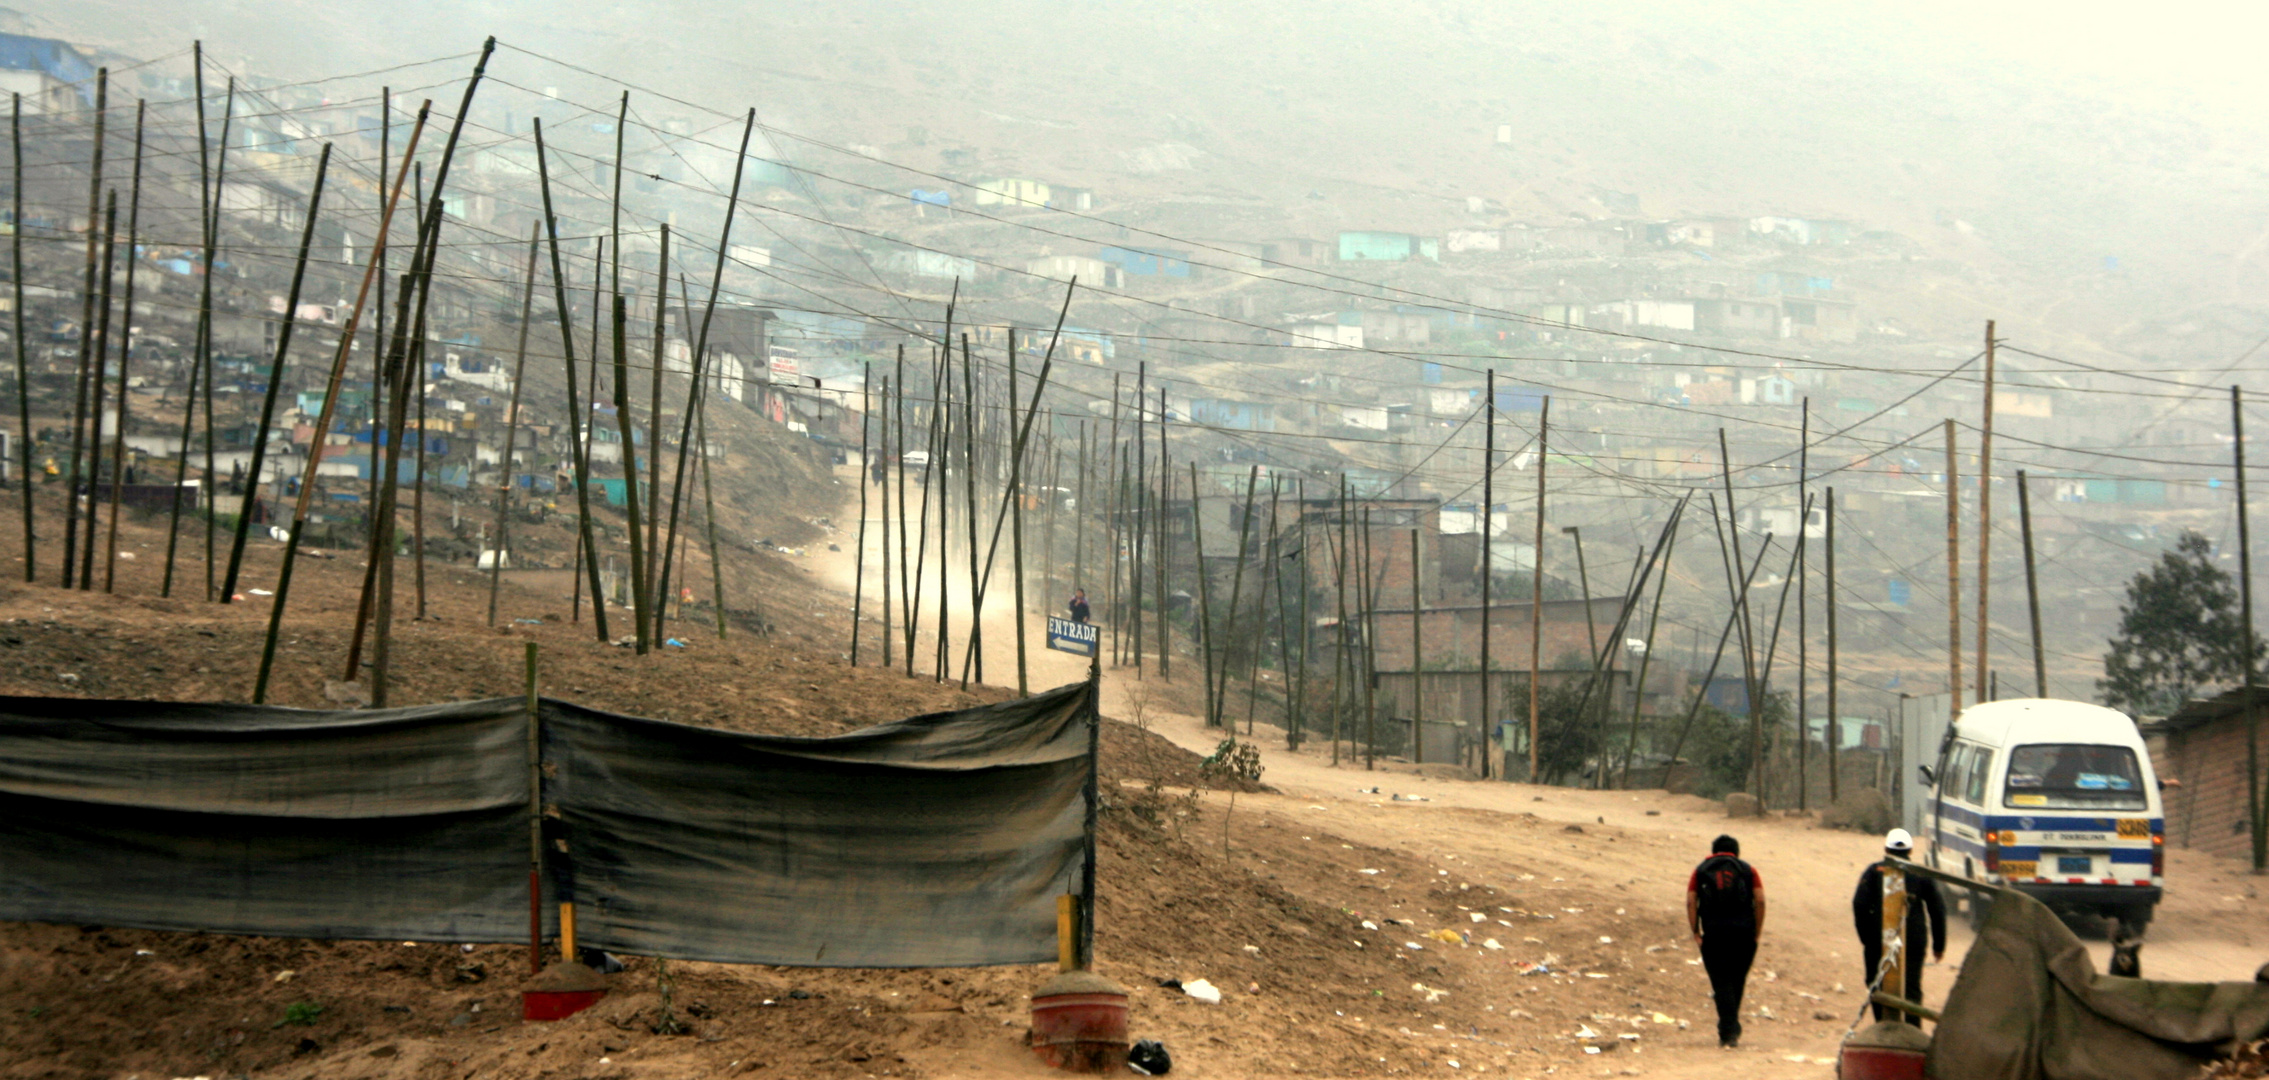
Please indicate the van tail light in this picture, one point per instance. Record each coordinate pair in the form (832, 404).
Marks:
(1992, 852)
(2158, 855)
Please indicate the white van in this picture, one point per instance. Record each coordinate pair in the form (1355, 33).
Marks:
(2055, 799)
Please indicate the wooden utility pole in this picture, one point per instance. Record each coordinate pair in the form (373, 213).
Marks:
(1205, 602)
(2032, 587)
(23, 371)
(2259, 824)
(125, 355)
(1748, 637)
(1803, 625)
(1165, 558)
(859, 571)
(1536, 590)
(1236, 580)
(1343, 666)
(1141, 500)
(1985, 515)
(1835, 733)
(1490, 760)
(1654, 619)
(1953, 575)
(97, 368)
(1369, 598)
(889, 463)
(577, 414)
(511, 421)
(969, 481)
(205, 337)
(86, 333)
(657, 587)
(275, 380)
(1417, 660)
(640, 603)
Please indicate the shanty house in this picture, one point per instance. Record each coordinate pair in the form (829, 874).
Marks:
(51, 75)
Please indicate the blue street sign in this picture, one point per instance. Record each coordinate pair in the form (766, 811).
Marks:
(1065, 635)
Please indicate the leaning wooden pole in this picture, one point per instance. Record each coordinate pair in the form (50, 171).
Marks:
(1835, 734)
(1748, 634)
(1018, 444)
(969, 481)
(2254, 808)
(23, 370)
(323, 421)
(512, 423)
(582, 460)
(125, 354)
(2032, 586)
(1536, 591)
(654, 586)
(1654, 619)
(1803, 623)
(1985, 520)
(98, 373)
(1205, 602)
(639, 601)
(197, 346)
(859, 563)
(86, 332)
(275, 381)
(1236, 582)
(1702, 693)
(1488, 567)
(697, 389)
(709, 521)
(1953, 575)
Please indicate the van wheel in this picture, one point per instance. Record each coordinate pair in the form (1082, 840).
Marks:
(1981, 907)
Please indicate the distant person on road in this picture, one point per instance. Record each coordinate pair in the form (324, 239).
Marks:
(1867, 918)
(1725, 908)
(1079, 606)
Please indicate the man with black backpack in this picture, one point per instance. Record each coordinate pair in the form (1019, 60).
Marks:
(1725, 907)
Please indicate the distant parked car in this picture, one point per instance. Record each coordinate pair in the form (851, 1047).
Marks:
(916, 458)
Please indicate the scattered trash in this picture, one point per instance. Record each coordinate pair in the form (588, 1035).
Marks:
(1408, 798)
(1149, 1058)
(259, 592)
(1253, 949)
(1367, 791)
(1605, 940)
(1629, 1036)
(1203, 991)
(1413, 945)
(145, 952)
(1662, 1018)
(1591, 1049)
(1450, 936)
(1766, 1011)
(1584, 1031)
(1527, 968)
(1371, 872)
(1432, 994)
(1369, 925)
(673, 643)
(1491, 944)
(284, 976)
(529, 622)
(68, 679)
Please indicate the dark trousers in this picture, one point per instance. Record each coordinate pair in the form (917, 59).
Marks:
(1727, 954)
(1872, 952)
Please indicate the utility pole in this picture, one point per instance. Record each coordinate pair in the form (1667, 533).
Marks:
(1985, 514)
(1953, 576)
(1803, 626)
(2245, 600)
(1488, 503)
(1417, 662)
(1835, 734)
(2032, 587)
(1536, 589)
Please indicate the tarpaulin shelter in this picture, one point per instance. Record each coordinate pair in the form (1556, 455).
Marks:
(935, 840)
(2030, 1005)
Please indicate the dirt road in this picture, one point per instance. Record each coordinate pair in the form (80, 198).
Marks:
(1807, 986)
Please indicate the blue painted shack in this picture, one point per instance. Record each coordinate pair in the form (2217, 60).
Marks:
(1148, 262)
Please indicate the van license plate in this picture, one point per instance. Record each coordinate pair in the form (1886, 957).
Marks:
(2074, 864)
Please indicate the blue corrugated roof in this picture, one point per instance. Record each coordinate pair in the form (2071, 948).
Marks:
(60, 61)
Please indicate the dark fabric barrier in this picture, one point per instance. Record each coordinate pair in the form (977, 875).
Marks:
(931, 841)
(938, 840)
(408, 824)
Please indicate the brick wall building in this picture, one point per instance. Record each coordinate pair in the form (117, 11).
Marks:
(2202, 749)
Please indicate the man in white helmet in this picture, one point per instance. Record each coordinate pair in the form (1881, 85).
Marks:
(1867, 918)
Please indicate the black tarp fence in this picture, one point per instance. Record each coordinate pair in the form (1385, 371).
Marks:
(936, 840)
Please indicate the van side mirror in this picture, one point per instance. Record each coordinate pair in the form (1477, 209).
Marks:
(2165, 784)
(1928, 778)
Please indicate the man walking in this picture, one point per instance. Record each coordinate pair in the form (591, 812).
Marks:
(1867, 918)
(1725, 908)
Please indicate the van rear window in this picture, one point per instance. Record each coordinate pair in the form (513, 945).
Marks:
(2074, 776)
